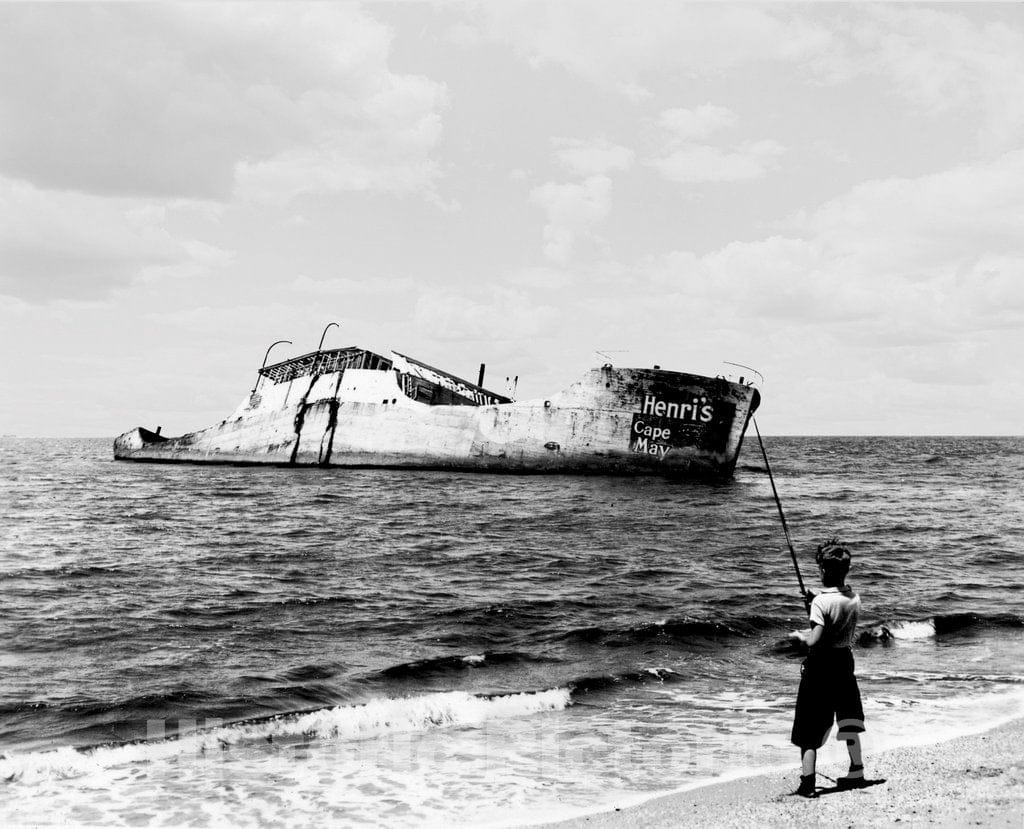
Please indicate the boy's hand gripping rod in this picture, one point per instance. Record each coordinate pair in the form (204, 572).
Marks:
(782, 515)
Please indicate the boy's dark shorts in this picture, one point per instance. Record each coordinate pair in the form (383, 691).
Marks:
(828, 692)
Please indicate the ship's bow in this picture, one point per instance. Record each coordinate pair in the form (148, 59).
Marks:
(682, 423)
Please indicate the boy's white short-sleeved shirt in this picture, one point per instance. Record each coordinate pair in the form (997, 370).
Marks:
(836, 609)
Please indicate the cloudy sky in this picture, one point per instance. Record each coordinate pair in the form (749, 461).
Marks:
(831, 194)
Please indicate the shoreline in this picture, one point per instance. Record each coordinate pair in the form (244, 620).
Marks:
(976, 779)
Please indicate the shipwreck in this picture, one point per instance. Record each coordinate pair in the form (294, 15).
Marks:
(354, 407)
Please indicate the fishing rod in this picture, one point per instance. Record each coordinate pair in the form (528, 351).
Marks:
(782, 515)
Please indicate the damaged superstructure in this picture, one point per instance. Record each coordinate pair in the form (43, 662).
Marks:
(354, 407)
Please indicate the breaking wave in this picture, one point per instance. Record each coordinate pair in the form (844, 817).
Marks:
(921, 629)
(698, 632)
(936, 626)
(908, 630)
(376, 717)
(594, 684)
(447, 664)
(380, 716)
(685, 631)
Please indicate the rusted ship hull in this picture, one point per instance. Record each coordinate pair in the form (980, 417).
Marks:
(328, 412)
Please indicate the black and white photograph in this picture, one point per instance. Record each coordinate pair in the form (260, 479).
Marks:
(569, 413)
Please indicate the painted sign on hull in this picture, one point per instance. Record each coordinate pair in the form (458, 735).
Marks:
(664, 423)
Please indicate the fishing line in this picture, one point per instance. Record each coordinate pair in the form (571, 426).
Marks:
(782, 515)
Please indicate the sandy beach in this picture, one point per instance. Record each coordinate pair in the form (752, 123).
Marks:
(976, 780)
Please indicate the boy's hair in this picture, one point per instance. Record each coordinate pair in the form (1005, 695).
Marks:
(834, 559)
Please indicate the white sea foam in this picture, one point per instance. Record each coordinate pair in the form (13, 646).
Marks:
(912, 630)
(939, 676)
(916, 629)
(378, 716)
(913, 722)
(661, 673)
(735, 701)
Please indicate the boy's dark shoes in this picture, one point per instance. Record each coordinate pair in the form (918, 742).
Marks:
(855, 779)
(844, 783)
(806, 788)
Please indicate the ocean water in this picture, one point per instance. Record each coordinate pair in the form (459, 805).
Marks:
(200, 645)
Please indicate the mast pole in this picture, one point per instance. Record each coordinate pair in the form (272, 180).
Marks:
(258, 375)
(320, 347)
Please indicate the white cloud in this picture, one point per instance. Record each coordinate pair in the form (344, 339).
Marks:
(499, 314)
(201, 259)
(596, 156)
(192, 100)
(907, 262)
(698, 123)
(778, 278)
(684, 160)
(573, 211)
(118, 116)
(542, 277)
(347, 287)
(620, 45)
(940, 60)
(385, 146)
(830, 152)
(909, 225)
(79, 246)
(699, 163)
(634, 92)
(996, 288)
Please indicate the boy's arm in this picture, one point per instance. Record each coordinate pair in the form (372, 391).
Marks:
(809, 637)
(814, 637)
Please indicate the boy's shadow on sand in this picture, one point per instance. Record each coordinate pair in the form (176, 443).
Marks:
(867, 784)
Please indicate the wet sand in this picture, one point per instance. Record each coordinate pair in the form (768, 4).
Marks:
(969, 781)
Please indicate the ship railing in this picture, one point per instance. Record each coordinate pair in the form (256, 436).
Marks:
(325, 362)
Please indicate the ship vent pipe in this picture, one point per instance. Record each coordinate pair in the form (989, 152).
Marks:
(480, 380)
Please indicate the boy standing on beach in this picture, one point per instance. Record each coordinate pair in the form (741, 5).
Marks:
(828, 688)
